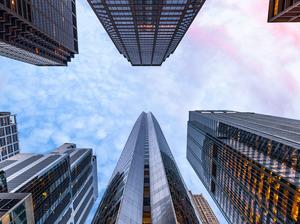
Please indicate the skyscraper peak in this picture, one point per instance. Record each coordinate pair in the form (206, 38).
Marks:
(146, 186)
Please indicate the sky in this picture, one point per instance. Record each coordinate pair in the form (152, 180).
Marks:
(230, 58)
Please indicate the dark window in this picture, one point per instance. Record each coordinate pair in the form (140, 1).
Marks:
(7, 130)
(214, 170)
(215, 151)
(8, 139)
(2, 142)
(213, 187)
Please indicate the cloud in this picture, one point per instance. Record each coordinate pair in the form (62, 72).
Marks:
(229, 59)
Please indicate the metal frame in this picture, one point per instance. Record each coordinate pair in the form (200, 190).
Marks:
(23, 40)
(284, 11)
(146, 32)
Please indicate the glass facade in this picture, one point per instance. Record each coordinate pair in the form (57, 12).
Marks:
(63, 184)
(122, 201)
(111, 201)
(146, 32)
(51, 192)
(3, 183)
(146, 186)
(284, 11)
(9, 142)
(249, 163)
(16, 208)
(38, 32)
(84, 184)
(205, 212)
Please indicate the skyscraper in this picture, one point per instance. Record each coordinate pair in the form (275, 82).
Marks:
(63, 184)
(206, 214)
(84, 182)
(9, 143)
(16, 208)
(284, 11)
(146, 186)
(38, 32)
(146, 32)
(249, 163)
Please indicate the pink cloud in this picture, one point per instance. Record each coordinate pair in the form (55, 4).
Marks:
(286, 31)
(214, 38)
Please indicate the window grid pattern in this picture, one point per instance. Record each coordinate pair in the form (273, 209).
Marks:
(183, 210)
(83, 177)
(57, 182)
(9, 143)
(284, 11)
(16, 208)
(49, 190)
(206, 213)
(243, 171)
(146, 32)
(146, 196)
(85, 189)
(111, 203)
(40, 32)
(18, 215)
(146, 186)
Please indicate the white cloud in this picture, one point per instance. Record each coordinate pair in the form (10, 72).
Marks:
(229, 59)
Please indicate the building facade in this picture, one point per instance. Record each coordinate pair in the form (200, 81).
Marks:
(9, 142)
(84, 182)
(38, 32)
(284, 11)
(249, 163)
(62, 183)
(205, 212)
(146, 32)
(146, 186)
(16, 208)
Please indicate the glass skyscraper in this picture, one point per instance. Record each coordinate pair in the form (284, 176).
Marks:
(146, 186)
(84, 182)
(63, 184)
(9, 142)
(249, 163)
(146, 32)
(284, 11)
(39, 32)
(16, 208)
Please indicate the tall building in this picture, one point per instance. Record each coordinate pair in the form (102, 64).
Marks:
(9, 143)
(206, 214)
(146, 32)
(63, 184)
(146, 186)
(16, 208)
(249, 163)
(38, 32)
(284, 11)
(84, 182)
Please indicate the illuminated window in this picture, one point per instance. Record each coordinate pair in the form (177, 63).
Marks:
(37, 50)
(44, 195)
(295, 209)
(276, 6)
(13, 5)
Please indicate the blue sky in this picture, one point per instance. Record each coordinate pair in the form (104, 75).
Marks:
(229, 59)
